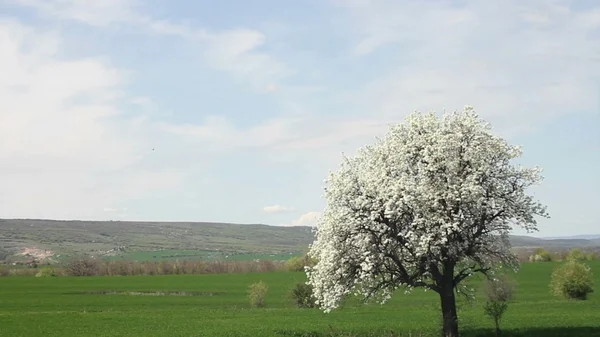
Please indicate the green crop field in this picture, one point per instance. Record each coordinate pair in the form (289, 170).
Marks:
(216, 305)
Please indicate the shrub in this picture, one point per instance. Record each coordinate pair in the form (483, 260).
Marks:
(23, 272)
(46, 272)
(499, 293)
(591, 256)
(560, 255)
(302, 294)
(82, 267)
(297, 263)
(257, 293)
(166, 268)
(522, 255)
(540, 255)
(572, 280)
(4, 271)
(576, 255)
(267, 266)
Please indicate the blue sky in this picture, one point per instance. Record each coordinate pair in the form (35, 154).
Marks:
(235, 111)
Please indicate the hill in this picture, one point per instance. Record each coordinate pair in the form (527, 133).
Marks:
(584, 236)
(105, 238)
(53, 238)
(529, 241)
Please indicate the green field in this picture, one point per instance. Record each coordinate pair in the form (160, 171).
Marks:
(216, 305)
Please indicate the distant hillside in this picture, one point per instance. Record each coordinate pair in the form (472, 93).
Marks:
(52, 237)
(102, 237)
(584, 236)
(529, 241)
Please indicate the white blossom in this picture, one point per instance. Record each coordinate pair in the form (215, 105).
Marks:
(433, 194)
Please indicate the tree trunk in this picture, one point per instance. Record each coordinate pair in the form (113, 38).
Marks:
(450, 318)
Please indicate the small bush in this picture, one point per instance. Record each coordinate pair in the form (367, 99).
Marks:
(4, 271)
(576, 255)
(82, 267)
(297, 263)
(499, 293)
(257, 293)
(302, 294)
(591, 256)
(23, 272)
(46, 272)
(572, 280)
(540, 255)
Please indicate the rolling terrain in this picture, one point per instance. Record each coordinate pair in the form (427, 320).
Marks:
(53, 239)
(111, 238)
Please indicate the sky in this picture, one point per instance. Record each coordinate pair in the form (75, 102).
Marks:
(236, 111)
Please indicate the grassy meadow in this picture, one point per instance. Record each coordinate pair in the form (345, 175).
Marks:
(216, 305)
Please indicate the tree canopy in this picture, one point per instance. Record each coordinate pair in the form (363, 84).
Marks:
(428, 205)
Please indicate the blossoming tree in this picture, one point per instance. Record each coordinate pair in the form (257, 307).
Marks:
(427, 206)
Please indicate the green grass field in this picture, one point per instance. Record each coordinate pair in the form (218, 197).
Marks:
(70, 306)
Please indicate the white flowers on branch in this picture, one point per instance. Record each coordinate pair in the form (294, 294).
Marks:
(426, 206)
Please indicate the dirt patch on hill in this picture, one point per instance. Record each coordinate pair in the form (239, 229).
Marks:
(40, 254)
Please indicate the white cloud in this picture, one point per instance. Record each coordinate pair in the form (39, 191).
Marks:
(237, 52)
(530, 61)
(282, 134)
(271, 87)
(36, 92)
(308, 219)
(316, 141)
(96, 13)
(64, 146)
(277, 209)
(234, 51)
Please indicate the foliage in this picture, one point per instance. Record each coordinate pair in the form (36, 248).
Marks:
(540, 255)
(298, 263)
(498, 293)
(576, 255)
(591, 256)
(295, 263)
(257, 292)
(302, 294)
(426, 206)
(82, 266)
(572, 280)
(77, 267)
(47, 271)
